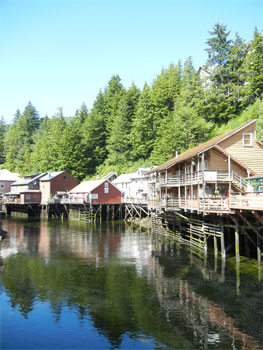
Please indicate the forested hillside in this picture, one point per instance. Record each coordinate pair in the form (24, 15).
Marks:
(127, 128)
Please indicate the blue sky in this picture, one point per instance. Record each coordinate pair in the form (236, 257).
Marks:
(60, 53)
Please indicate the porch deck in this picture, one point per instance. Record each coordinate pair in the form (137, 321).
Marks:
(211, 176)
(212, 204)
(250, 201)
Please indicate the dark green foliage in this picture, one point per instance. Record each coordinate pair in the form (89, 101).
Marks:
(142, 131)
(127, 128)
(19, 139)
(2, 143)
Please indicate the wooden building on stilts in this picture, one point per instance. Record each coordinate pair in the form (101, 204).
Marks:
(202, 194)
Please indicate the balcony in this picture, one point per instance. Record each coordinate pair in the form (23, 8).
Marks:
(249, 201)
(212, 176)
(213, 204)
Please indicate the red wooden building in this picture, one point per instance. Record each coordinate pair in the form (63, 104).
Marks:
(54, 182)
(96, 192)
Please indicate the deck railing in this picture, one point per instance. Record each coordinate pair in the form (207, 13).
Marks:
(250, 201)
(207, 204)
(215, 176)
(67, 201)
(9, 200)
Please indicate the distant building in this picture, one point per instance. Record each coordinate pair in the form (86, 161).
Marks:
(38, 188)
(25, 190)
(134, 186)
(255, 184)
(96, 192)
(6, 179)
(57, 181)
(110, 176)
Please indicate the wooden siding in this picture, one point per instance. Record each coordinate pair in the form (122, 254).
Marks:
(113, 196)
(251, 156)
(30, 198)
(5, 186)
(217, 161)
(45, 190)
(61, 182)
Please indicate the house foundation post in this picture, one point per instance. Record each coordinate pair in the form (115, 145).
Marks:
(259, 250)
(223, 248)
(237, 248)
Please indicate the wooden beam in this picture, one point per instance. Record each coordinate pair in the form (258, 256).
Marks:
(259, 217)
(250, 225)
(247, 235)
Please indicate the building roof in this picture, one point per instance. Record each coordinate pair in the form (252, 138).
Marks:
(200, 148)
(26, 181)
(50, 176)
(124, 178)
(15, 193)
(109, 175)
(6, 175)
(257, 176)
(86, 186)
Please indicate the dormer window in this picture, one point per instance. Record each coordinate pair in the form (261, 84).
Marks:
(247, 139)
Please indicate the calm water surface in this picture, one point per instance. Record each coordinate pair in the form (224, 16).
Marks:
(72, 285)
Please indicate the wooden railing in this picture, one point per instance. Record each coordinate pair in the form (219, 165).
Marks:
(198, 177)
(8, 200)
(214, 204)
(189, 203)
(67, 201)
(250, 201)
(207, 204)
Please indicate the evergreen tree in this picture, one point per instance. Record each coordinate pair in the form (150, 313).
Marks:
(112, 95)
(225, 57)
(19, 139)
(48, 150)
(165, 90)
(142, 130)
(219, 46)
(82, 113)
(94, 135)
(73, 156)
(16, 116)
(2, 144)
(253, 70)
(119, 141)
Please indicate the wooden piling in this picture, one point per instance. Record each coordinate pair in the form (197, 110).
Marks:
(237, 251)
(222, 238)
(259, 251)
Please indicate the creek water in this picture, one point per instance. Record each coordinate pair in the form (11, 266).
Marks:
(73, 285)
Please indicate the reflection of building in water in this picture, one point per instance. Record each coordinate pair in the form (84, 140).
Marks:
(15, 240)
(44, 242)
(208, 322)
(136, 251)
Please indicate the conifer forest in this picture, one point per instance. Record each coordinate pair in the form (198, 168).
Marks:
(130, 127)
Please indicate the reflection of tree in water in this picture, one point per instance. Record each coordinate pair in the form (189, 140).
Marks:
(113, 297)
(118, 301)
(204, 299)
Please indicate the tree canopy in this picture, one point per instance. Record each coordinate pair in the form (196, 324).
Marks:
(127, 128)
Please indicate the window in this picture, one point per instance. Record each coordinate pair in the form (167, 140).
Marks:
(247, 139)
(106, 187)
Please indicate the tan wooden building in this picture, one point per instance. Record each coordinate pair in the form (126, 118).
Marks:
(203, 177)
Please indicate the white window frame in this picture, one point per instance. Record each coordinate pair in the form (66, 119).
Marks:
(106, 187)
(250, 137)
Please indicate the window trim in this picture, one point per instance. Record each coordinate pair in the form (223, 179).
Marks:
(251, 139)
